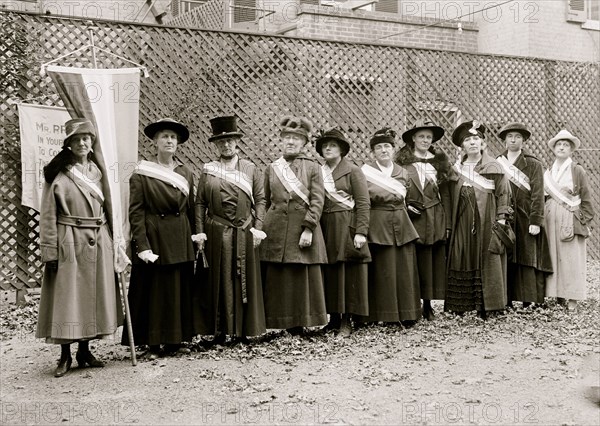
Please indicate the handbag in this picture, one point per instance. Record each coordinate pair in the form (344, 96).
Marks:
(416, 210)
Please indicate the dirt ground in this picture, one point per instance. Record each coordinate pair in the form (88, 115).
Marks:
(522, 367)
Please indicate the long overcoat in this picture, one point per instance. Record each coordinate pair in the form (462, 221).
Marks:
(162, 219)
(287, 216)
(80, 300)
(491, 206)
(339, 224)
(389, 224)
(530, 250)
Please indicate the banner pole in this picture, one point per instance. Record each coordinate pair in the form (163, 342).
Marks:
(128, 320)
(93, 46)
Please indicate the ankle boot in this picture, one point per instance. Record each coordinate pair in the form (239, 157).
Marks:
(428, 312)
(334, 322)
(64, 364)
(84, 356)
(345, 326)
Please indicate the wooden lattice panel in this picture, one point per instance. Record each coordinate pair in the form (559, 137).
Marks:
(198, 74)
(209, 16)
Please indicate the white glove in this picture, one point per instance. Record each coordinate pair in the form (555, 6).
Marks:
(257, 236)
(147, 256)
(200, 239)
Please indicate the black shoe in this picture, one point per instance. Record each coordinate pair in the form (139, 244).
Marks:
(296, 331)
(219, 339)
(408, 323)
(64, 365)
(86, 357)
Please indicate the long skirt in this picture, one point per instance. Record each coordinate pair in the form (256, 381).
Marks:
(161, 305)
(293, 295)
(431, 260)
(346, 288)
(219, 293)
(568, 257)
(465, 288)
(526, 284)
(394, 293)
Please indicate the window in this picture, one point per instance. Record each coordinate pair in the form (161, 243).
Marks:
(387, 6)
(594, 10)
(244, 11)
(583, 10)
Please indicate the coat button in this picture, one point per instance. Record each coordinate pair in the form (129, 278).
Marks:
(92, 242)
(162, 216)
(99, 221)
(78, 221)
(177, 214)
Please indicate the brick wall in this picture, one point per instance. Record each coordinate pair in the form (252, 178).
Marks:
(537, 29)
(372, 27)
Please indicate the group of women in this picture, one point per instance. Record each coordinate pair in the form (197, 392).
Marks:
(305, 242)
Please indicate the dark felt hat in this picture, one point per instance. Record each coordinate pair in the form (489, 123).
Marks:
(224, 127)
(437, 131)
(385, 135)
(298, 125)
(514, 127)
(77, 126)
(466, 129)
(167, 124)
(332, 135)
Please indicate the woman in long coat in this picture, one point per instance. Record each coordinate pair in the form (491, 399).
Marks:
(230, 209)
(161, 213)
(530, 261)
(80, 298)
(345, 223)
(429, 206)
(480, 235)
(294, 249)
(394, 294)
(569, 211)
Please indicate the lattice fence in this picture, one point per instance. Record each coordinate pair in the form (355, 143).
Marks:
(197, 74)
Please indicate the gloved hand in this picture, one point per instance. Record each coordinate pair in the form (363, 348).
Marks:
(359, 241)
(534, 229)
(257, 236)
(147, 256)
(200, 239)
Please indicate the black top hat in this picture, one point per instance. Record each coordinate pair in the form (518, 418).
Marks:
(167, 124)
(224, 127)
(468, 128)
(385, 135)
(437, 131)
(332, 135)
(515, 127)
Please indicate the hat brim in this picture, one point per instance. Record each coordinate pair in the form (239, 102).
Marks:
(438, 133)
(151, 129)
(525, 133)
(215, 138)
(555, 139)
(344, 145)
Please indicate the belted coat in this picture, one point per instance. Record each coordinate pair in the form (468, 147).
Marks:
(80, 300)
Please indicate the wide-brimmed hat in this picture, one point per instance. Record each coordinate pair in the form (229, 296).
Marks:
(77, 126)
(385, 135)
(564, 135)
(167, 124)
(437, 131)
(515, 127)
(224, 127)
(335, 135)
(466, 129)
(297, 125)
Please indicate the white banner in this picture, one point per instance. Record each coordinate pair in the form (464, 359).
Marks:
(42, 134)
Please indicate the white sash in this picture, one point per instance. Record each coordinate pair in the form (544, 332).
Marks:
(390, 184)
(570, 202)
(156, 171)
(82, 180)
(234, 177)
(338, 196)
(514, 174)
(289, 180)
(476, 180)
(426, 173)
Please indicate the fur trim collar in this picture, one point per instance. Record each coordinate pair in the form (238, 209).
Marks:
(439, 161)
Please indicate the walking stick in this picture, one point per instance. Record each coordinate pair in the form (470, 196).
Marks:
(128, 319)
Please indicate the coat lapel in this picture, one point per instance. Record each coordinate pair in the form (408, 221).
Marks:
(342, 169)
(414, 176)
